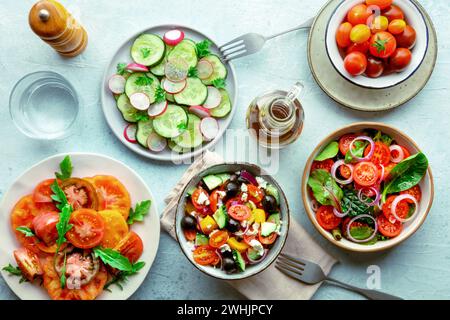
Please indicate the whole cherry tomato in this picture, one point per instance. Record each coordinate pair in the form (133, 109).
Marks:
(382, 44)
(406, 39)
(393, 12)
(377, 23)
(358, 14)
(355, 63)
(360, 33)
(382, 4)
(343, 35)
(397, 26)
(375, 67)
(400, 59)
(360, 47)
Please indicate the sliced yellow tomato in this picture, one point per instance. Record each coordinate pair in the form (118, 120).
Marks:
(236, 245)
(208, 224)
(116, 228)
(260, 216)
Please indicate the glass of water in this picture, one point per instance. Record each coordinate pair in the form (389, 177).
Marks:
(44, 105)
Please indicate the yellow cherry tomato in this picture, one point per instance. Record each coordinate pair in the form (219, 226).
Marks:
(260, 215)
(378, 23)
(397, 26)
(360, 33)
(208, 225)
(236, 245)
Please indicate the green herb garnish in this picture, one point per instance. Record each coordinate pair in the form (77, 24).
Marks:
(66, 169)
(15, 271)
(26, 231)
(63, 279)
(219, 83)
(193, 72)
(66, 209)
(145, 52)
(143, 81)
(202, 48)
(160, 94)
(121, 68)
(380, 44)
(139, 212)
(113, 258)
(122, 276)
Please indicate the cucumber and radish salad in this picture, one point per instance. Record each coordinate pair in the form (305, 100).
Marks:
(364, 186)
(231, 220)
(172, 93)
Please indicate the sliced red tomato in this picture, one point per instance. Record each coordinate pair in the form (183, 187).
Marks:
(131, 246)
(248, 238)
(406, 153)
(367, 191)
(387, 228)
(381, 154)
(269, 239)
(214, 200)
(401, 210)
(87, 230)
(344, 142)
(44, 226)
(255, 193)
(388, 169)
(365, 173)
(45, 207)
(196, 195)
(345, 171)
(218, 238)
(112, 194)
(190, 234)
(326, 218)
(239, 212)
(415, 191)
(325, 165)
(42, 193)
(80, 193)
(204, 255)
(28, 263)
(22, 215)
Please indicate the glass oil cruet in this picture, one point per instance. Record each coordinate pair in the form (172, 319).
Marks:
(276, 118)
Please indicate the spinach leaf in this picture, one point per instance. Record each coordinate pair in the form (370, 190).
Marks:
(406, 174)
(330, 151)
(352, 204)
(358, 150)
(325, 189)
(361, 232)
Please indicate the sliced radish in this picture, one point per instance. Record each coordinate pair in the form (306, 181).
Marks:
(200, 111)
(157, 109)
(173, 37)
(176, 69)
(174, 87)
(130, 133)
(117, 84)
(156, 143)
(209, 128)
(205, 69)
(140, 101)
(137, 67)
(214, 98)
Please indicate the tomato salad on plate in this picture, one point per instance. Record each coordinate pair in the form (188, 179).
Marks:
(231, 220)
(375, 39)
(75, 235)
(365, 185)
(172, 93)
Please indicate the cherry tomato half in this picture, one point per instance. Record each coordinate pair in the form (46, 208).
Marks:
(400, 59)
(326, 218)
(269, 239)
(344, 142)
(255, 193)
(387, 228)
(382, 44)
(355, 63)
(343, 35)
(365, 173)
(195, 198)
(239, 212)
(204, 255)
(218, 238)
(87, 230)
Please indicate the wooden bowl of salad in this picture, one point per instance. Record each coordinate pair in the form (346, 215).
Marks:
(367, 187)
(232, 220)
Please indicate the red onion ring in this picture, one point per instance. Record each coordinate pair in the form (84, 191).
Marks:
(382, 172)
(220, 257)
(372, 148)
(314, 205)
(401, 154)
(375, 228)
(241, 233)
(339, 214)
(335, 166)
(397, 201)
(254, 261)
(377, 196)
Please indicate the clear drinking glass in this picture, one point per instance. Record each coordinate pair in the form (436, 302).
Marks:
(44, 105)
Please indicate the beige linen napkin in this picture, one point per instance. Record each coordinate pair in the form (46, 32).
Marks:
(271, 283)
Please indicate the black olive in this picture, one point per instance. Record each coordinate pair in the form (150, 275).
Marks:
(227, 254)
(228, 264)
(242, 180)
(233, 177)
(232, 189)
(188, 222)
(233, 225)
(269, 203)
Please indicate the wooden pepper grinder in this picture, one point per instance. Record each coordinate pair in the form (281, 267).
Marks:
(56, 26)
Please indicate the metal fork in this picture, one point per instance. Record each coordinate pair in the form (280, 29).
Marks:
(252, 42)
(311, 273)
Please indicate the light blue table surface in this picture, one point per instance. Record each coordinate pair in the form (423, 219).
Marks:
(418, 268)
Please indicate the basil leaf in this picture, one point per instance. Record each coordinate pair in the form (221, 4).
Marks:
(406, 174)
(140, 211)
(26, 231)
(330, 151)
(66, 169)
(325, 189)
(113, 258)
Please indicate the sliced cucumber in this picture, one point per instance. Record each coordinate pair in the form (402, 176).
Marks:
(192, 137)
(212, 181)
(224, 107)
(201, 240)
(221, 217)
(131, 86)
(176, 148)
(144, 129)
(194, 94)
(148, 49)
(239, 260)
(224, 177)
(172, 122)
(169, 97)
(274, 218)
(219, 72)
(158, 70)
(271, 190)
(267, 228)
(185, 50)
(129, 113)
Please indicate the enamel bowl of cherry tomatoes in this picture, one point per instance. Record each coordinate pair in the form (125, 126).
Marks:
(376, 44)
(399, 230)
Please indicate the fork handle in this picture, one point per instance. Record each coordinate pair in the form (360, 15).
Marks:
(370, 294)
(304, 25)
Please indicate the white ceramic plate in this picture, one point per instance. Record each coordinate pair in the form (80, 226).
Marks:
(85, 164)
(413, 17)
(114, 118)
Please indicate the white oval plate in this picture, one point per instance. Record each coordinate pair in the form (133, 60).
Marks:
(85, 164)
(117, 123)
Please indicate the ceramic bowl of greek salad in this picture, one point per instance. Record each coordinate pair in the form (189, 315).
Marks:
(367, 187)
(167, 93)
(232, 220)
